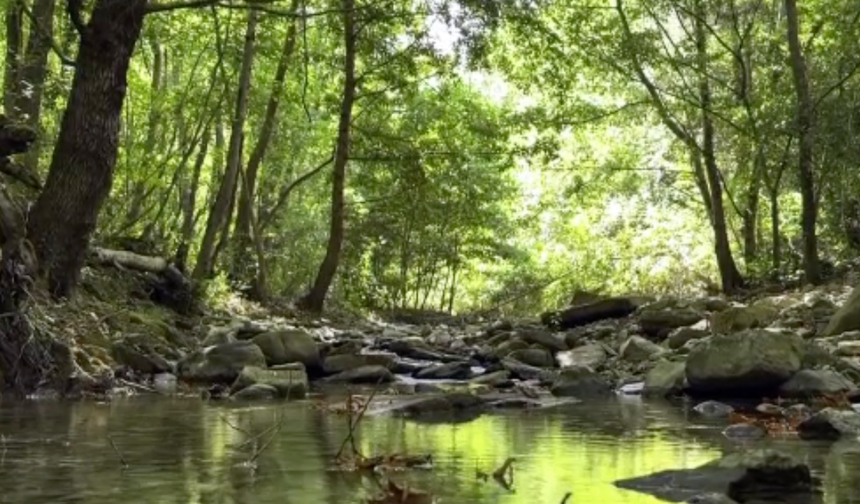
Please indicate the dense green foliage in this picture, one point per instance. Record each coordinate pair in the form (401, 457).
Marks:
(502, 154)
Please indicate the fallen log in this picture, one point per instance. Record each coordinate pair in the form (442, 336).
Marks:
(580, 315)
(174, 290)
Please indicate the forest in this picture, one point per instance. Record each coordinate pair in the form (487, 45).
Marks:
(433, 154)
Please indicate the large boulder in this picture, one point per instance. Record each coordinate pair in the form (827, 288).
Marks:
(749, 363)
(542, 337)
(291, 345)
(289, 380)
(450, 371)
(847, 317)
(220, 363)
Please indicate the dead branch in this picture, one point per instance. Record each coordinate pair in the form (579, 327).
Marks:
(119, 453)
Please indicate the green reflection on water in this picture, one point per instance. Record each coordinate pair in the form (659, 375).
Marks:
(183, 451)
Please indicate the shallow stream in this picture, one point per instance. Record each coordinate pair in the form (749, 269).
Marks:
(187, 451)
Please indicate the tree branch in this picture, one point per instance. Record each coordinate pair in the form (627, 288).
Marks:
(65, 60)
(73, 8)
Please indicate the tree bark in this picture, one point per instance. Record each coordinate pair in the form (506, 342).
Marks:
(806, 145)
(81, 172)
(34, 69)
(242, 239)
(314, 300)
(223, 205)
(11, 77)
(729, 274)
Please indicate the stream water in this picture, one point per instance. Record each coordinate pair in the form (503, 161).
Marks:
(186, 451)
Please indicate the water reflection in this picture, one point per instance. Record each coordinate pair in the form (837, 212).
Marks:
(183, 451)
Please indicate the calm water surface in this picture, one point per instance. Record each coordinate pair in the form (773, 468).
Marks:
(184, 451)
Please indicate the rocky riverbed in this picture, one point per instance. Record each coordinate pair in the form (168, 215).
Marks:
(787, 361)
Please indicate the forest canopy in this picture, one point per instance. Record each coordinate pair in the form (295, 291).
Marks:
(438, 154)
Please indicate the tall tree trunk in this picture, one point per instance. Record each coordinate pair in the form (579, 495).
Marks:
(188, 203)
(242, 239)
(34, 68)
(750, 216)
(712, 195)
(729, 274)
(81, 172)
(222, 207)
(11, 77)
(313, 301)
(806, 145)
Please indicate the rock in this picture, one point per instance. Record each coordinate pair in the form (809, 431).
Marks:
(580, 382)
(457, 405)
(495, 379)
(164, 383)
(526, 372)
(657, 322)
(289, 380)
(450, 371)
(750, 476)
(256, 392)
(338, 363)
(808, 383)
(440, 337)
(288, 346)
(591, 354)
(139, 353)
(363, 374)
(664, 379)
(220, 363)
(507, 347)
(220, 335)
(680, 336)
(830, 424)
(744, 432)
(846, 318)
(537, 357)
(713, 409)
(542, 337)
(416, 348)
(639, 349)
(755, 362)
(739, 318)
(848, 349)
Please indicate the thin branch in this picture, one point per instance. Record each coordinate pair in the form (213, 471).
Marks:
(851, 73)
(65, 60)
(266, 217)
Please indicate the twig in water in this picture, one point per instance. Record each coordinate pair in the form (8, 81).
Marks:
(119, 453)
(350, 438)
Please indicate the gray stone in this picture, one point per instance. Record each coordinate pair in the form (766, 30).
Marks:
(292, 345)
(334, 364)
(815, 382)
(680, 336)
(745, 363)
(290, 380)
(638, 349)
(591, 354)
(580, 382)
(537, 357)
(664, 379)
(220, 363)
(256, 392)
(363, 374)
(450, 371)
(830, 423)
